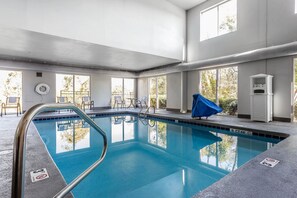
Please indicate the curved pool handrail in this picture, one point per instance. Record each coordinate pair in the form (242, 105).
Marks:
(19, 154)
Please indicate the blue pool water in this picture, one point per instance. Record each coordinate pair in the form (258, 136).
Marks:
(146, 158)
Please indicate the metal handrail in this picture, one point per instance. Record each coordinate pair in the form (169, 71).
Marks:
(18, 171)
(147, 122)
(148, 109)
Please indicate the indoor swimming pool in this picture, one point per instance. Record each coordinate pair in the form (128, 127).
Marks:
(146, 157)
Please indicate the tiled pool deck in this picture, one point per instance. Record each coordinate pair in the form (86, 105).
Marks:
(250, 180)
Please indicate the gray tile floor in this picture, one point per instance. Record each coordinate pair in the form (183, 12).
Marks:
(37, 157)
(250, 180)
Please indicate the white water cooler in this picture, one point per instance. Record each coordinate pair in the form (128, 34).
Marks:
(261, 97)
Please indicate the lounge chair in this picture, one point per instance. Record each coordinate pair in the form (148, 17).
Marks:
(142, 103)
(86, 101)
(62, 99)
(11, 103)
(118, 102)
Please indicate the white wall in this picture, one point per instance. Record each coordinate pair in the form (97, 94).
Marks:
(149, 26)
(251, 28)
(250, 32)
(174, 91)
(193, 86)
(142, 88)
(259, 24)
(282, 70)
(281, 22)
(246, 70)
(100, 81)
(101, 90)
(29, 96)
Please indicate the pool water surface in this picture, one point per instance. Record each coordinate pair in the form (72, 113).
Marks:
(146, 157)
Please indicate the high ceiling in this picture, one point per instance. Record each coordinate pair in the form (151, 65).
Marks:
(30, 46)
(186, 4)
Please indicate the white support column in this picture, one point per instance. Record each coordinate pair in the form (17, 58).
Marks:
(184, 93)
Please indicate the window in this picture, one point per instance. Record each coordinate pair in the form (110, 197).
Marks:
(158, 92)
(220, 86)
(123, 87)
(10, 86)
(74, 87)
(218, 20)
(209, 84)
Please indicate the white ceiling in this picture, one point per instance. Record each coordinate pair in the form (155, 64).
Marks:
(36, 47)
(186, 4)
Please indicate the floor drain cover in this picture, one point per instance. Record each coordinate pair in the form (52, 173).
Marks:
(39, 175)
(269, 162)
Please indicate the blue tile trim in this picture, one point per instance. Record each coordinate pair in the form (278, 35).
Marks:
(234, 130)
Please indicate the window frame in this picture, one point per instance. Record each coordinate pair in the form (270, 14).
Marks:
(74, 86)
(217, 88)
(123, 87)
(157, 91)
(217, 7)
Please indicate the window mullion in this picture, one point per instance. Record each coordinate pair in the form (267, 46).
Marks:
(73, 136)
(218, 28)
(73, 93)
(157, 95)
(217, 86)
(123, 88)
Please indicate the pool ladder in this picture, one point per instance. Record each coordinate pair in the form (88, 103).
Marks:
(146, 111)
(19, 147)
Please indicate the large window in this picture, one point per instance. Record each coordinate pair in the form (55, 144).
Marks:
(158, 92)
(220, 86)
(10, 86)
(218, 20)
(124, 87)
(74, 87)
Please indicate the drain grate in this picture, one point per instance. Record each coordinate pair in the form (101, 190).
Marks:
(269, 162)
(39, 175)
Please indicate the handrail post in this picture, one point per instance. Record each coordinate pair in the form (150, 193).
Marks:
(19, 148)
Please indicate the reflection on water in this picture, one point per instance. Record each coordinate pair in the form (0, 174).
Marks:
(222, 154)
(146, 157)
(232, 151)
(157, 133)
(72, 135)
(122, 128)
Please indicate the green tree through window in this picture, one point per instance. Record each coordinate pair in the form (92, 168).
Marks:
(223, 81)
(158, 92)
(10, 85)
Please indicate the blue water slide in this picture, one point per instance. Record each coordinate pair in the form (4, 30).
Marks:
(203, 107)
